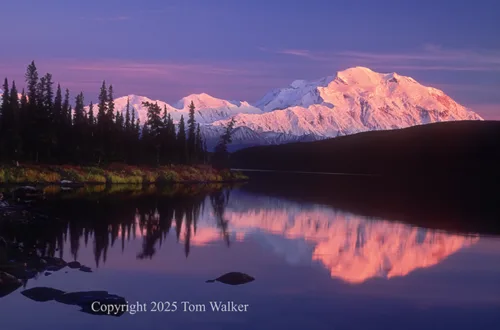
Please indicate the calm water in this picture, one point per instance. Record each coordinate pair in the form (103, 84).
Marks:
(315, 267)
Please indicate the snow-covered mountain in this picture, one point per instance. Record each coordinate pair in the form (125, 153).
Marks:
(354, 100)
(208, 109)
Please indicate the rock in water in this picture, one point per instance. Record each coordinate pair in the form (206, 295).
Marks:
(85, 300)
(85, 269)
(42, 294)
(77, 298)
(51, 261)
(110, 299)
(54, 268)
(8, 284)
(74, 264)
(233, 278)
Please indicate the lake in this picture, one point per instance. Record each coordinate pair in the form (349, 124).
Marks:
(317, 265)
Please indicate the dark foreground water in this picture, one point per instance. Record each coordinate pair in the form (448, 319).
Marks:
(315, 266)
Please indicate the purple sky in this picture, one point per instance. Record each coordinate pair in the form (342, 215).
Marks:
(240, 49)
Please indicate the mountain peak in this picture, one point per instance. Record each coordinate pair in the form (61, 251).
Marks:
(201, 101)
(359, 75)
(358, 69)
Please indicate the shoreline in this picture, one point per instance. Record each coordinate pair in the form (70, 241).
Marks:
(116, 173)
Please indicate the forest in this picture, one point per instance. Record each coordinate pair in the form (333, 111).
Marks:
(41, 125)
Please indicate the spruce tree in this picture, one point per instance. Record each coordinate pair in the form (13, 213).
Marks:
(132, 121)
(65, 112)
(48, 115)
(32, 83)
(48, 93)
(5, 97)
(91, 118)
(31, 127)
(199, 152)
(127, 116)
(58, 101)
(103, 124)
(171, 139)
(24, 100)
(182, 142)
(154, 122)
(23, 108)
(111, 104)
(90, 140)
(164, 117)
(14, 99)
(137, 130)
(69, 119)
(191, 139)
(146, 142)
(118, 120)
(4, 120)
(154, 125)
(79, 123)
(79, 117)
(221, 154)
(102, 106)
(13, 133)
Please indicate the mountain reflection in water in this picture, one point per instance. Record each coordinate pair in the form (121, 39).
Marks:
(352, 248)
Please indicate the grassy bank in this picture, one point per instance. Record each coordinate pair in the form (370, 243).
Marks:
(115, 174)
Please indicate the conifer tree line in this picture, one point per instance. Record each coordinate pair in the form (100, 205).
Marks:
(41, 126)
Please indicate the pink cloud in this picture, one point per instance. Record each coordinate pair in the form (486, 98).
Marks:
(132, 68)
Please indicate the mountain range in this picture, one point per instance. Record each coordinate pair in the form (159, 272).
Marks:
(353, 100)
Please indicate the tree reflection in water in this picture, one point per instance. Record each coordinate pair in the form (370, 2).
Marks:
(116, 214)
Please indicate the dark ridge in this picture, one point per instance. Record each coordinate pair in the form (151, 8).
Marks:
(462, 148)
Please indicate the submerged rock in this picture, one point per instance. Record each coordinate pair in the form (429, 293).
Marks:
(86, 299)
(233, 278)
(85, 269)
(52, 261)
(54, 268)
(81, 297)
(74, 264)
(42, 294)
